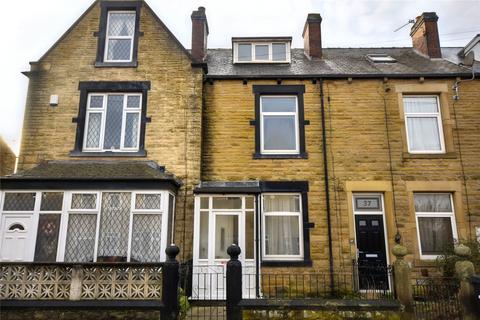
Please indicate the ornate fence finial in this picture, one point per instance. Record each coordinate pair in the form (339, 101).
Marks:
(399, 251)
(234, 251)
(172, 251)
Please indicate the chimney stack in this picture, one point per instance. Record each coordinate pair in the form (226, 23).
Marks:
(424, 35)
(312, 36)
(199, 34)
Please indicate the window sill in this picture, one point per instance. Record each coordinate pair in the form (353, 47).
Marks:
(100, 64)
(287, 263)
(447, 155)
(76, 153)
(302, 155)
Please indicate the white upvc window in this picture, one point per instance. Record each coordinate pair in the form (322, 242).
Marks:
(436, 226)
(282, 227)
(423, 121)
(279, 128)
(261, 52)
(112, 122)
(120, 36)
(84, 226)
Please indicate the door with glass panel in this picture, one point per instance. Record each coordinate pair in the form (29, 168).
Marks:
(370, 238)
(221, 221)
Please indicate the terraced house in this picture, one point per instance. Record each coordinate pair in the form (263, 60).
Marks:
(306, 158)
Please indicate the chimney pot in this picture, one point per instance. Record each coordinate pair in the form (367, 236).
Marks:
(199, 34)
(312, 36)
(424, 35)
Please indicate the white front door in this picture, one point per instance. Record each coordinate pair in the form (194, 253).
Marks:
(220, 222)
(17, 243)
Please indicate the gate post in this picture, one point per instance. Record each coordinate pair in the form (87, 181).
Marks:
(234, 283)
(170, 279)
(403, 284)
(464, 269)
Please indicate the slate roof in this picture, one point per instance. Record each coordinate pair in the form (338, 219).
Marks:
(336, 62)
(96, 170)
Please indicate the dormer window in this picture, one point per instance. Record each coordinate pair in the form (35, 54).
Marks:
(118, 34)
(255, 50)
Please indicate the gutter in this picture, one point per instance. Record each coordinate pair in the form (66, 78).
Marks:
(327, 190)
(341, 76)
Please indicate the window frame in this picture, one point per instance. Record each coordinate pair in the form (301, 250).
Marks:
(300, 256)
(280, 90)
(437, 115)
(88, 88)
(107, 37)
(111, 6)
(270, 51)
(103, 112)
(262, 121)
(451, 215)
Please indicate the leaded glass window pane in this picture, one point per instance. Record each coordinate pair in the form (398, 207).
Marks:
(96, 101)
(114, 225)
(51, 201)
(84, 201)
(113, 124)
(94, 130)
(148, 201)
(133, 102)
(119, 49)
(80, 243)
(47, 237)
(21, 201)
(131, 130)
(121, 23)
(146, 238)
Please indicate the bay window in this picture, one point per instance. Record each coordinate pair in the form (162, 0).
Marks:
(282, 220)
(436, 225)
(86, 226)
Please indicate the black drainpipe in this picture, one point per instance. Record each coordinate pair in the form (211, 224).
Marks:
(327, 191)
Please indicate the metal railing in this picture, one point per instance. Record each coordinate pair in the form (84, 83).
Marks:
(346, 285)
(436, 298)
(87, 281)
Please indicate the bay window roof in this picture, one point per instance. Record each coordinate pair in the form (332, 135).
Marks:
(93, 174)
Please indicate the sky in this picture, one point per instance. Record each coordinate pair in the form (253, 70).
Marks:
(30, 27)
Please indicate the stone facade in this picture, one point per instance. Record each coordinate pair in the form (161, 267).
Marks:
(358, 155)
(174, 103)
(7, 159)
(221, 148)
